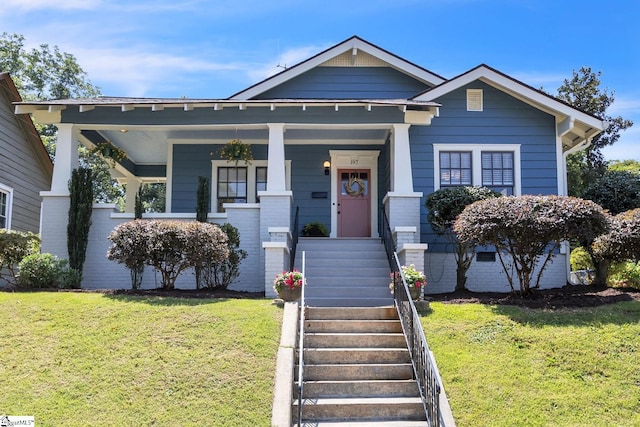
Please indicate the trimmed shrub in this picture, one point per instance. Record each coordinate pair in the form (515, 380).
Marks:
(626, 275)
(129, 247)
(14, 246)
(47, 271)
(222, 274)
(529, 229)
(444, 206)
(169, 246)
(622, 242)
(580, 259)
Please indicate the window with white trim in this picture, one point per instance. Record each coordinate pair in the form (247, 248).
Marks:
(496, 166)
(6, 200)
(240, 184)
(455, 168)
(497, 171)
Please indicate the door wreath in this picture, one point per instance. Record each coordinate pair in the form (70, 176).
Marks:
(354, 181)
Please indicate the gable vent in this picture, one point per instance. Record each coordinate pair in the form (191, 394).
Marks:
(362, 59)
(474, 100)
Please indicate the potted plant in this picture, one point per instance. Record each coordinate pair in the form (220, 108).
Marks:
(315, 229)
(109, 151)
(236, 151)
(415, 279)
(288, 285)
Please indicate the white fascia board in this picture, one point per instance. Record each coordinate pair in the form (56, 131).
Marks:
(520, 91)
(348, 45)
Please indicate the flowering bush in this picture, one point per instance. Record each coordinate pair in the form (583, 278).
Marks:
(415, 279)
(290, 279)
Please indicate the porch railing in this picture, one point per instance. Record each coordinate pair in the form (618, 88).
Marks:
(295, 232)
(423, 363)
(301, 344)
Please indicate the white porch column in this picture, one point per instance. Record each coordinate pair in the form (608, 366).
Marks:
(401, 175)
(133, 185)
(66, 158)
(402, 204)
(276, 166)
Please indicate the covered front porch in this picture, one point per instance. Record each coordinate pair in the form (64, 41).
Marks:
(339, 162)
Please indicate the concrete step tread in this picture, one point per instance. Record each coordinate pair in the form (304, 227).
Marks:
(388, 311)
(322, 334)
(386, 401)
(370, 423)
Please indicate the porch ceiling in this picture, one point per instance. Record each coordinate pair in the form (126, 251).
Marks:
(149, 145)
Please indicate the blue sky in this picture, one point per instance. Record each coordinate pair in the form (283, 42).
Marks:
(212, 49)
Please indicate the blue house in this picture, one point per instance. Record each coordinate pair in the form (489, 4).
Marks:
(343, 136)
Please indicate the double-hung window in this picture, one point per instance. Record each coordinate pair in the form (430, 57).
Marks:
(496, 166)
(455, 168)
(6, 199)
(241, 183)
(497, 171)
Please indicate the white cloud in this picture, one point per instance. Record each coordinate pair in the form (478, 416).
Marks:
(143, 73)
(286, 59)
(9, 6)
(624, 106)
(550, 82)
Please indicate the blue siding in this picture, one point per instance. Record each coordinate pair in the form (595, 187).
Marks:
(307, 176)
(191, 161)
(505, 120)
(347, 83)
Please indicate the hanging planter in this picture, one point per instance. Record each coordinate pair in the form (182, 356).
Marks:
(236, 151)
(109, 151)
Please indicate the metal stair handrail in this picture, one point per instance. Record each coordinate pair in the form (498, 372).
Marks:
(295, 232)
(301, 342)
(423, 364)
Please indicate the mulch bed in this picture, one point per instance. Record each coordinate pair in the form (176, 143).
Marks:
(567, 297)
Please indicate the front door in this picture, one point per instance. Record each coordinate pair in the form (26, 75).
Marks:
(354, 203)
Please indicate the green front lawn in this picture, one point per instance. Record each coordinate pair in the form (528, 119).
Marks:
(73, 359)
(511, 366)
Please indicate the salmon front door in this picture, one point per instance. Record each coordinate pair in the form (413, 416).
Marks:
(354, 203)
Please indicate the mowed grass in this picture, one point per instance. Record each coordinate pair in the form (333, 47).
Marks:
(77, 359)
(510, 366)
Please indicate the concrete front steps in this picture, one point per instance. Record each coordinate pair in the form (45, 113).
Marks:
(357, 370)
(345, 272)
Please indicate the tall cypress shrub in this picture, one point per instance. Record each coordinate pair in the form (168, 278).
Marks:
(80, 209)
(202, 212)
(202, 199)
(137, 269)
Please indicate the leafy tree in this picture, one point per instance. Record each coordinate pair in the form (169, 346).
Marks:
(153, 197)
(625, 165)
(615, 190)
(44, 73)
(444, 206)
(583, 92)
(528, 230)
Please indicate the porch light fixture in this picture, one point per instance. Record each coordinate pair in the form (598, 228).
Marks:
(327, 165)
